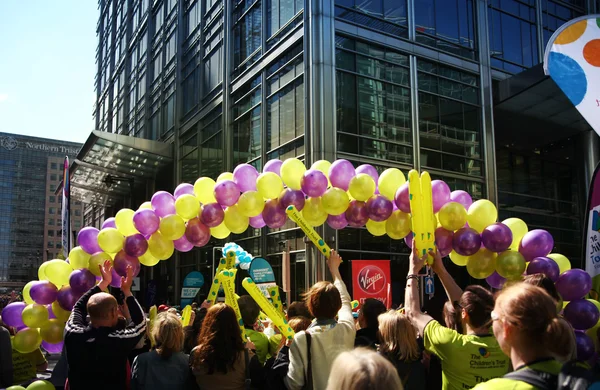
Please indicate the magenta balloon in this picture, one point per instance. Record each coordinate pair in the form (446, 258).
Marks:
(440, 194)
(466, 241)
(274, 214)
(245, 175)
(67, 298)
(408, 240)
(81, 280)
(183, 189)
(290, 197)
(135, 245)
(401, 198)
(443, 241)
(43, 292)
(544, 265)
(573, 284)
(340, 174)
(11, 314)
(357, 214)
(536, 243)
(379, 208)
(314, 183)
(585, 346)
(146, 221)
(274, 166)
(227, 193)
(87, 238)
(116, 279)
(497, 237)
(369, 170)
(257, 222)
(495, 280)
(197, 233)
(461, 197)
(337, 222)
(53, 348)
(163, 204)
(582, 314)
(50, 312)
(122, 260)
(182, 244)
(109, 223)
(212, 214)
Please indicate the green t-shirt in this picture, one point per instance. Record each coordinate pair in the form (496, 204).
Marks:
(466, 359)
(261, 342)
(274, 343)
(25, 365)
(550, 366)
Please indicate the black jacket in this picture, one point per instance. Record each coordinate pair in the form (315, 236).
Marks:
(366, 337)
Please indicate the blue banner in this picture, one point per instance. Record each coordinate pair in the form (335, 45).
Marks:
(66, 215)
(192, 284)
(261, 271)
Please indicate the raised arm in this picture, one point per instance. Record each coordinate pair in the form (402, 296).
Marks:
(345, 313)
(136, 329)
(453, 291)
(412, 304)
(77, 320)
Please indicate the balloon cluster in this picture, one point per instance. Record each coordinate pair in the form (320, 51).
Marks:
(243, 258)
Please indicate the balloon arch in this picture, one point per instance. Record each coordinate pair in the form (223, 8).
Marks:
(334, 193)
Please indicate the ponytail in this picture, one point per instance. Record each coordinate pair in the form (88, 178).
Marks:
(560, 339)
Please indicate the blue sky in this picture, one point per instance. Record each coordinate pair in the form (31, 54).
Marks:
(47, 67)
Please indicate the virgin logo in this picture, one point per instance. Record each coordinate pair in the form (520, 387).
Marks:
(371, 279)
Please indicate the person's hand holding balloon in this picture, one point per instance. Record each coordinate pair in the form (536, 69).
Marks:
(106, 272)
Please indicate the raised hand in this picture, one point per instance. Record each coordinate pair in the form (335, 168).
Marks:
(334, 260)
(127, 281)
(416, 262)
(438, 264)
(106, 272)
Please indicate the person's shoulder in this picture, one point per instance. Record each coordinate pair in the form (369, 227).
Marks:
(504, 384)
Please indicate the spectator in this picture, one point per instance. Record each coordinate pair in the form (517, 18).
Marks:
(97, 352)
(451, 316)
(191, 332)
(298, 309)
(250, 311)
(363, 369)
(370, 310)
(6, 365)
(326, 338)
(166, 367)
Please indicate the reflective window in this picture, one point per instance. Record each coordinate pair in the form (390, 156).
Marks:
(246, 33)
(52, 199)
(555, 13)
(51, 221)
(53, 166)
(280, 12)
(388, 16)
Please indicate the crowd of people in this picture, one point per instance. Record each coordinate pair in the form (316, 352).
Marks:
(514, 340)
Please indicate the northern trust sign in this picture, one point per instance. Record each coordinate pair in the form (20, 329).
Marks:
(11, 143)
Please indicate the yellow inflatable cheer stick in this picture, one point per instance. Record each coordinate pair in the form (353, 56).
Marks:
(277, 319)
(230, 260)
(186, 315)
(421, 207)
(274, 293)
(227, 279)
(354, 304)
(295, 216)
(224, 263)
(152, 313)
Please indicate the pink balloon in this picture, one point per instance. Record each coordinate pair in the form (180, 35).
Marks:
(440, 193)
(245, 175)
(408, 240)
(109, 223)
(337, 222)
(274, 166)
(273, 214)
(402, 199)
(369, 170)
(314, 183)
(212, 214)
(340, 174)
(182, 244)
(146, 221)
(227, 193)
(461, 197)
(292, 197)
(357, 213)
(135, 245)
(163, 204)
(443, 241)
(183, 189)
(116, 279)
(88, 240)
(257, 222)
(197, 233)
(379, 208)
(122, 260)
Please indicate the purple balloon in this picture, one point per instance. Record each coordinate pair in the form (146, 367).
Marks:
(183, 189)
(109, 223)
(440, 194)
(443, 241)
(50, 312)
(196, 232)
(257, 222)
(544, 265)
(369, 170)
(122, 260)
(182, 244)
(461, 197)
(135, 245)
(81, 280)
(11, 314)
(340, 174)
(116, 279)
(290, 197)
(146, 221)
(536, 243)
(274, 214)
(53, 348)
(212, 214)
(227, 193)
(401, 198)
(466, 241)
(573, 284)
(357, 214)
(87, 238)
(337, 222)
(495, 280)
(379, 208)
(582, 314)
(244, 176)
(43, 292)
(497, 237)
(585, 346)
(314, 183)
(163, 204)
(67, 298)
(274, 166)
(408, 240)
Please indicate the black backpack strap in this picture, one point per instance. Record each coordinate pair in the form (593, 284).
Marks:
(574, 376)
(309, 379)
(538, 379)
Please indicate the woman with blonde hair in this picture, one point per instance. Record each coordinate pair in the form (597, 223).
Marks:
(363, 369)
(165, 367)
(398, 344)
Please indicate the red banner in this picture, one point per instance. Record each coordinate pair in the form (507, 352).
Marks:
(371, 279)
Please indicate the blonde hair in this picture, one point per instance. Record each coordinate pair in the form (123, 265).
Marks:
(167, 333)
(363, 369)
(397, 336)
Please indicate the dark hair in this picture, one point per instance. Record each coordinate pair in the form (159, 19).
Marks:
(298, 309)
(323, 300)
(249, 309)
(192, 331)
(478, 303)
(544, 282)
(220, 340)
(370, 310)
(452, 316)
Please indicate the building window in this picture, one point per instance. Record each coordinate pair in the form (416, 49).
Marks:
(50, 233)
(53, 166)
(211, 144)
(555, 13)
(246, 33)
(52, 187)
(59, 233)
(78, 213)
(388, 16)
(246, 125)
(52, 199)
(51, 222)
(51, 210)
(77, 225)
(50, 244)
(58, 245)
(280, 12)
(53, 177)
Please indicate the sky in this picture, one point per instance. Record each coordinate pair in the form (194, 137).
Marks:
(47, 67)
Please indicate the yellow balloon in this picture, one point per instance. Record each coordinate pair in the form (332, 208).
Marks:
(376, 228)
(234, 220)
(42, 271)
(97, 260)
(510, 265)
(41, 385)
(251, 203)
(58, 272)
(292, 171)
(518, 229)
(16, 388)
(60, 313)
(34, 315)
(482, 214)
(313, 212)
(110, 240)
(124, 222)
(145, 205)
(26, 296)
(52, 331)
(187, 206)
(452, 216)
(362, 187)
(172, 227)
(204, 190)
(225, 176)
(323, 166)
(335, 201)
(220, 231)
(78, 258)
(148, 260)
(481, 264)
(458, 259)
(389, 181)
(27, 340)
(398, 225)
(563, 263)
(269, 185)
(161, 247)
